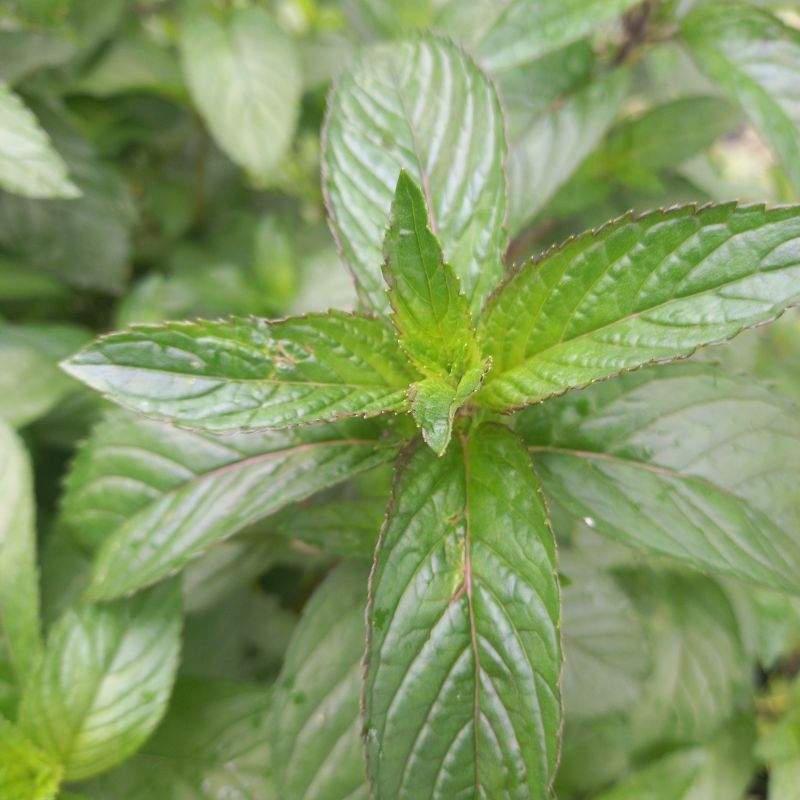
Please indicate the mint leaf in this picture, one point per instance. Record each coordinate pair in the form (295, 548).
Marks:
(606, 654)
(435, 401)
(19, 575)
(464, 654)
(505, 35)
(390, 111)
(213, 744)
(701, 673)
(153, 497)
(431, 316)
(683, 461)
(29, 164)
(717, 770)
(637, 291)
(26, 773)
(104, 681)
(31, 384)
(244, 76)
(429, 311)
(755, 58)
(247, 374)
(84, 241)
(317, 746)
(545, 154)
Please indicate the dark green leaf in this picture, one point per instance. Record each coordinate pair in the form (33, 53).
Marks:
(756, 60)
(245, 79)
(464, 653)
(19, 575)
(317, 746)
(104, 681)
(423, 106)
(85, 241)
(681, 461)
(639, 290)
(29, 165)
(247, 374)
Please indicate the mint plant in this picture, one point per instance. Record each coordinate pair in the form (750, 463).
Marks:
(474, 535)
(461, 690)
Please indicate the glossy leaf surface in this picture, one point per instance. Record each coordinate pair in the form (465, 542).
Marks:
(247, 374)
(421, 105)
(317, 747)
(152, 497)
(104, 681)
(756, 60)
(19, 575)
(29, 164)
(245, 79)
(430, 313)
(464, 654)
(637, 291)
(683, 461)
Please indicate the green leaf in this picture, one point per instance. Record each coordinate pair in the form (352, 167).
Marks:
(85, 241)
(134, 62)
(245, 78)
(347, 528)
(246, 374)
(212, 745)
(29, 165)
(755, 58)
(545, 154)
(431, 316)
(701, 673)
(19, 576)
(104, 681)
(605, 651)
(317, 745)
(659, 139)
(639, 290)
(24, 51)
(429, 311)
(464, 655)
(26, 773)
(683, 461)
(153, 497)
(424, 106)
(718, 770)
(31, 384)
(505, 35)
(434, 403)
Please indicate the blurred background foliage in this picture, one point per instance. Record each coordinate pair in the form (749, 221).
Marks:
(176, 156)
